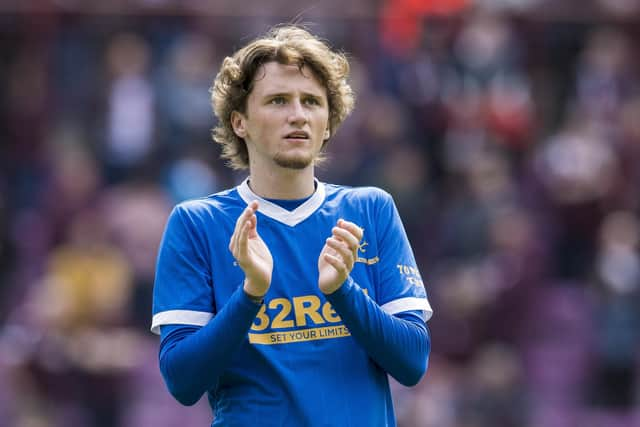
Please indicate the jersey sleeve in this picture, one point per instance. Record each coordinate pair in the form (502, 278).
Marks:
(400, 287)
(182, 293)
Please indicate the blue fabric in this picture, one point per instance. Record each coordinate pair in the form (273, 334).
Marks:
(302, 358)
(192, 358)
(288, 204)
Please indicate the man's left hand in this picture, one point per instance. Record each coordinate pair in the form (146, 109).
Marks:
(338, 256)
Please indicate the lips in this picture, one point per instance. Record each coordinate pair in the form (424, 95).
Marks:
(297, 135)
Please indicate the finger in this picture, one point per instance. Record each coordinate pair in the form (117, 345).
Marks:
(253, 226)
(341, 234)
(353, 228)
(250, 210)
(326, 249)
(343, 251)
(243, 239)
(239, 223)
(246, 213)
(232, 241)
(336, 263)
(253, 207)
(233, 245)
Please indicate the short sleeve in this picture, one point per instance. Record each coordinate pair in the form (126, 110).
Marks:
(400, 287)
(182, 292)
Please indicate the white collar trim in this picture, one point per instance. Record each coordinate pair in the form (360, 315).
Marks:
(290, 218)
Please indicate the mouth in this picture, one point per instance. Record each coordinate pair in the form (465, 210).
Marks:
(297, 135)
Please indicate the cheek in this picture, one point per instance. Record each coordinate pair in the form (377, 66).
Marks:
(261, 124)
(323, 120)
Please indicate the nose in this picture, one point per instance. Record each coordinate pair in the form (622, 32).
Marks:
(297, 114)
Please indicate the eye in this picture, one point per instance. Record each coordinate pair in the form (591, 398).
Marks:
(311, 101)
(278, 100)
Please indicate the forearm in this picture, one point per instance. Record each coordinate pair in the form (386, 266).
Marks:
(192, 359)
(399, 346)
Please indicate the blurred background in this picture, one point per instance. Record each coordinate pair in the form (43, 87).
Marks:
(508, 132)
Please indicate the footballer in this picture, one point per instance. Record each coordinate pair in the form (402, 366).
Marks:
(287, 300)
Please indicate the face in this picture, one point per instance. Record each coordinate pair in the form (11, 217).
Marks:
(286, 118)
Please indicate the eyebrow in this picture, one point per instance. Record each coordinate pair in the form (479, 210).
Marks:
(287, 94)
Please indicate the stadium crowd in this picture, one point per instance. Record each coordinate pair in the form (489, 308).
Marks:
(511, 145)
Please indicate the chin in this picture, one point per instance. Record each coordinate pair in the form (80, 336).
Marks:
(293, 162)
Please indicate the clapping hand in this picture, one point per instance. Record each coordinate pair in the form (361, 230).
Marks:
(338, 256)
(251, 253)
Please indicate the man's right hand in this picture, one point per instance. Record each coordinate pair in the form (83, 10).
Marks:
(251, 253)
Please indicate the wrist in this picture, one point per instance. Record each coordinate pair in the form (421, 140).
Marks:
(334, 288)
(252, 294)
(329, 291)
(254, 299)
(342, 288)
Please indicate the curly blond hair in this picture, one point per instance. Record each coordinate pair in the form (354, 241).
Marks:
(288, 45)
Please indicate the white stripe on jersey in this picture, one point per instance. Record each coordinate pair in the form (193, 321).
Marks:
(179, 317)
(408, 304)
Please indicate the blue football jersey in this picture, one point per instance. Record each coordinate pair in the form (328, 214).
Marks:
(299, 365)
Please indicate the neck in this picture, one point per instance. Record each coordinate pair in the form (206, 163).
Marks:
(282, 183)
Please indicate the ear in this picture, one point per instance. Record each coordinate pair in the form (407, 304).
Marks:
(327, 134)
(238, 123)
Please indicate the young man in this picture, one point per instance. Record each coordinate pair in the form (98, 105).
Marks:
(288, 300)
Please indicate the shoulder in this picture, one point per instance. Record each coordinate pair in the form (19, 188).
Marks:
(206, 208)
(368, 194)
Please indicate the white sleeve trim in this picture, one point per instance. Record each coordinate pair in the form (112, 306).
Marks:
(408, 304)
(179, 317)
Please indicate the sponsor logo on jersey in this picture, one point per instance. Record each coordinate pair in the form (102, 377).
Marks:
(297, 319)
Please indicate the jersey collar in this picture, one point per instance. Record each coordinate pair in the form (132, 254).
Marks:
(290, 218)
